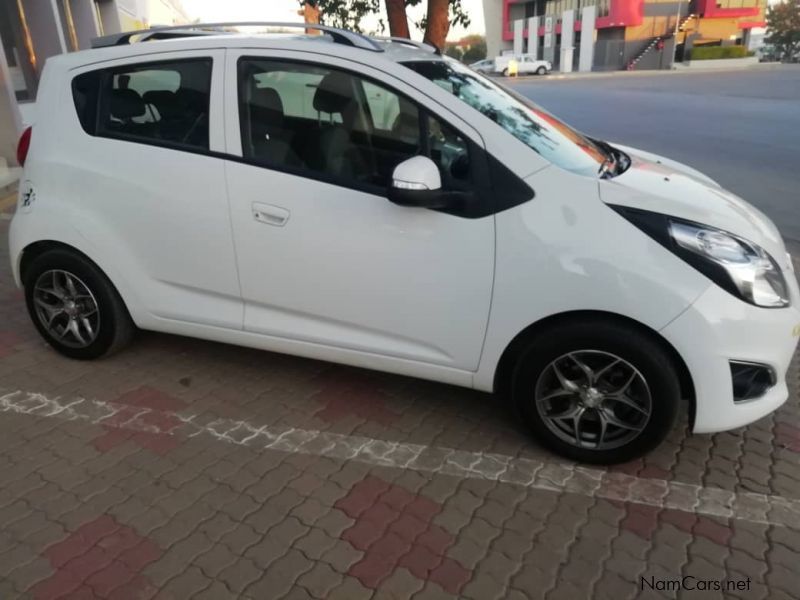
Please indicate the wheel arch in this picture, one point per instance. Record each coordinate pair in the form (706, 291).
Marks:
(35, 249)
(508, 358)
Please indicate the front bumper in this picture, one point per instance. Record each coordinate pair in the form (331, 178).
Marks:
(719, 328)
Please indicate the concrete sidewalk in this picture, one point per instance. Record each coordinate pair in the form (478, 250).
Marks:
(558, 76)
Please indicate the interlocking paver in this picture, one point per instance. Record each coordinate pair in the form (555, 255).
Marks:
(89, 508)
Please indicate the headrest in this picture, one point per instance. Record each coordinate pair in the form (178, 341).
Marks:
(126, 103)
(266, 98)
(166, 102)
(266, 110)
(334, 93)
(192, 100)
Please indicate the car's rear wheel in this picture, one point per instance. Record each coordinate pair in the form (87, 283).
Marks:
(597, 392)
(74, 306)
(541, 71)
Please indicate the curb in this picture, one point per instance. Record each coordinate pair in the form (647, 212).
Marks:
(650, 72)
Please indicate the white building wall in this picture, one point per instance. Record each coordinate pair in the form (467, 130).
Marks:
(533, 37)
(493, 17)
(588, 35)
(518, 41)
(10, 119)
(84, 19)
(44, 25)
(567, 40)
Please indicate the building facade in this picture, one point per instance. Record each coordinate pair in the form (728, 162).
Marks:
(619, 34)
(33, 30)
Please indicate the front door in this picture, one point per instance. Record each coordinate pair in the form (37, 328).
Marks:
(323, 256)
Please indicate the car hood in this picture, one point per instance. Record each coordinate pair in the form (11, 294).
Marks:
(666, 186)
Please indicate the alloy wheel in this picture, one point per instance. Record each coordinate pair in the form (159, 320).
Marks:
(593, 399)
(66, 308)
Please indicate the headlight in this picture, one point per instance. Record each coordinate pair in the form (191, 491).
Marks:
(752, 271)
(741, 267)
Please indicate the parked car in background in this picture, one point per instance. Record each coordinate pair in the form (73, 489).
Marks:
(374, 203)
(526, 65)
(509, 65)
(484, 66)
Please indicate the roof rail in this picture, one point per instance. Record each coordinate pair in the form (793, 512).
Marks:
(409, 42)
(339, 36)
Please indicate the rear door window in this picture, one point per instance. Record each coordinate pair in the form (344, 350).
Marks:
(161, 103)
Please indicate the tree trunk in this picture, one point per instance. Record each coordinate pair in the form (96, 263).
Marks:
(398, 21)
(438, 22)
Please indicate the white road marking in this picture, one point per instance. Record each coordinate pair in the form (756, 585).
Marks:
(535, 474)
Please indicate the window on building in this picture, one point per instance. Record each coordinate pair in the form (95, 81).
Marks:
(164, 103)
(335, 124)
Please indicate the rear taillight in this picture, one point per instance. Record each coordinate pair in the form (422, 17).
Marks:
(23, 146)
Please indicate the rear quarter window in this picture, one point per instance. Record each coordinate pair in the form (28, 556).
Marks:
(160, 103)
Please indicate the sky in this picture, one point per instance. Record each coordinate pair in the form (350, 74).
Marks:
(286, 10)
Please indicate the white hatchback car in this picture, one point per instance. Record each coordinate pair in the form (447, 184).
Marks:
(374, 203)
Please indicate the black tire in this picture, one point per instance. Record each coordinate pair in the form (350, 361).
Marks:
(627, 342)
(541, 71)
(505, 72)
(114, 329)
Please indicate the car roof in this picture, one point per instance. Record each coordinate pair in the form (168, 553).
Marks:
(391, 50)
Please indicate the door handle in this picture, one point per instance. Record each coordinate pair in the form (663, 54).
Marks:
(270, 214)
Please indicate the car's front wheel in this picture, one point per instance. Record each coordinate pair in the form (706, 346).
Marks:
(597, 392)
(74, 306)
(541, 71)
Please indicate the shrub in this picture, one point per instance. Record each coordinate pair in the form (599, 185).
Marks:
(717, 52)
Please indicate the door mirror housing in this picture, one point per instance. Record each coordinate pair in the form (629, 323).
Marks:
(417, 182)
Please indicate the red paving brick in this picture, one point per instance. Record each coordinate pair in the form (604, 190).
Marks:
(380, 531)
(96, 559)
(345, 396)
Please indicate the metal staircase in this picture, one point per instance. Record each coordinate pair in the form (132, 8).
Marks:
(660, 39)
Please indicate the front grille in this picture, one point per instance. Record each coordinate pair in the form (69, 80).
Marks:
(750, 380)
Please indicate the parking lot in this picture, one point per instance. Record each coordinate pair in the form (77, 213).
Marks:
(182, 468)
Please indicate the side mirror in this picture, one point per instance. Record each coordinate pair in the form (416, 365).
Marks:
(417, 182)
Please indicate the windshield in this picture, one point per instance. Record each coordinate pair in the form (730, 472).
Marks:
(522, 118)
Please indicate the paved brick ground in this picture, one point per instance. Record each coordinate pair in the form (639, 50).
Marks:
(185, 469)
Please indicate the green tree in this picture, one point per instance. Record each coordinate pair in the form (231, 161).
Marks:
(476, 48)
(783, 28)
(346, 14)
(452, 50)
(440, 15)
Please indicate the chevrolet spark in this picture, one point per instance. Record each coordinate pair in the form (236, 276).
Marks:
(374, 203)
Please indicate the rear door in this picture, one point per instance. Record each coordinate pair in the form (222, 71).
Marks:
(324, 257)
(148, 191)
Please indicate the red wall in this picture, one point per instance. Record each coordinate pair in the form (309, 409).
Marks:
(709, 9)
(622, 13)
(625, 13)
